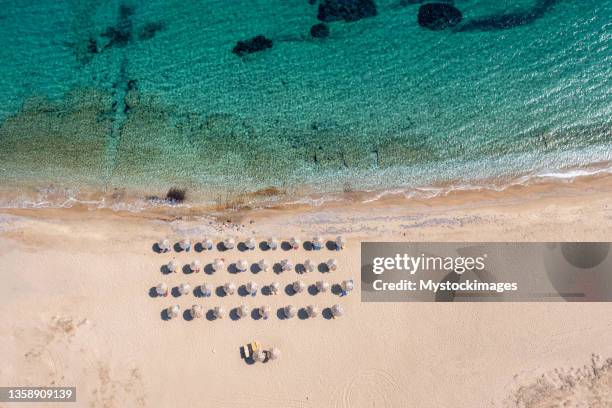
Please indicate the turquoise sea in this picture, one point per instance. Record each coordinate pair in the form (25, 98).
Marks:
(115, 101)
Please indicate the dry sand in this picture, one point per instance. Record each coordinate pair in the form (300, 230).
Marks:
(76, 310)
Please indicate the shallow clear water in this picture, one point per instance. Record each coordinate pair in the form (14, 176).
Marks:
(148, 95)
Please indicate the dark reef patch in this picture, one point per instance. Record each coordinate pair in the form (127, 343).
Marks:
(438, 16)
(255, 44)
(149, 30)
(320, 30)
(509, 20)
(176, 195)
(347, 10)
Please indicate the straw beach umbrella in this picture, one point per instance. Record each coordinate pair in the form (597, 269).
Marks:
(347, 285)
(242, 265)
(286, 265)
(251, 288)
(229, 243)
(163, 245)
(250, 243)
(340, 242)
(264, 265)
(172, 266)
(206, 289)
(322, 286)
(312, 311)
(274, 353)
(260, 356)
(243, 311)
(295, 243)
(264, 312)
(317, 243)
(272, 243)
(195, 266)
(185, 244)
(290, 311)
(173, 311)
(208, 244)
(332, 264)
(161, 289)
(337, 310)
(229, 288)
(184, 288)
(218, 264)
(298, 286)
(219, 312)
(309, 266)
(274, 288)
(196, 311)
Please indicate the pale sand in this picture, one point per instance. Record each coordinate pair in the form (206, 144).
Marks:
(76, 310)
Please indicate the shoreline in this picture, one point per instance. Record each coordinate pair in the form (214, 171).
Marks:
(569, 181)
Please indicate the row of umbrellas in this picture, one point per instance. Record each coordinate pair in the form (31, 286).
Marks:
(219, 312)
(251, 287)
(272, 243)
(264, 265)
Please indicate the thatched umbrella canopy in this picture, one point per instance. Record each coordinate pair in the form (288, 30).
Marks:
(206, 289)
(208, 244)
(252, 287)
(195, 266)
(185, 244)
(172, 266)
(348, 285)
(309, 266)
(196, 311)
(332, 264)
(317, 242)
(274, 353)
(286, 265)
(340, 242)
(260, 356)
(250, 243)
(322, 286)
(264, 312)
(173, 311)
(272, 243)
(229, 243)
(298, 286)
(274, 287)
(164, 245)
(290, 311)
(242, 265)
(264, 265)
(218, 264)
(219, 312)
(161, 289)
(312, 310)
(243, 311)
(229, 288)
(295, 243)
(337, 310)
(184, 288)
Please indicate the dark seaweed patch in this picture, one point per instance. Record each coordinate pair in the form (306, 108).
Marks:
(438, 16)
(255, 44)
(120, 34)
(320, 30)
(509, 20)
(149, 30)
(347, 10)
(176, 195)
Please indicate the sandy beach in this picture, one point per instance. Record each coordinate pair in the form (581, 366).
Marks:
(76, 310)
